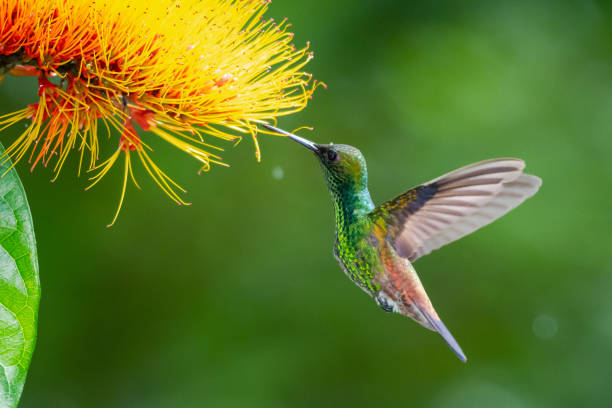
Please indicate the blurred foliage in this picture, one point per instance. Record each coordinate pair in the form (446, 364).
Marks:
(237, 301)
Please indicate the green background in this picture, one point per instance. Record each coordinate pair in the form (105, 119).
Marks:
(236, 301)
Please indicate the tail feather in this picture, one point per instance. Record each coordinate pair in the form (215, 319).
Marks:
(402, 292)
(443, 331)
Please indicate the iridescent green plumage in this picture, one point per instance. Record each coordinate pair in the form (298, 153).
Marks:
(352, 204)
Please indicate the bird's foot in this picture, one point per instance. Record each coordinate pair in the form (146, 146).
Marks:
(384, 302)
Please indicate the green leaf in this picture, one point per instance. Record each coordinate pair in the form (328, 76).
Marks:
(19, 287)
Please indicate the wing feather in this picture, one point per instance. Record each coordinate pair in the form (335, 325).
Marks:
(454, 205)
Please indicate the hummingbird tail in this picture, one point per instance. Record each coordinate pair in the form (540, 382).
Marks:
(443, 331)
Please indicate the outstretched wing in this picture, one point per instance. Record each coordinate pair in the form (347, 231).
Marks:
(452, 206)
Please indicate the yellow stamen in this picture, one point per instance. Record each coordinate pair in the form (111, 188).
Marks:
(187, 71)
(127, 168)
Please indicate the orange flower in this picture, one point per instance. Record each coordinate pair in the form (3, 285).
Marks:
(186, 71)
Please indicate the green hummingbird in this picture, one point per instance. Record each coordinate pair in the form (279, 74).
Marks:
(376, 246)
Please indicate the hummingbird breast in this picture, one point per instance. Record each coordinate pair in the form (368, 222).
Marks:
(352, 248)
(372, 263)
(357, 258)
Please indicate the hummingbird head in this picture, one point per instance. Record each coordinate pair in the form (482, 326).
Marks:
(344, 166)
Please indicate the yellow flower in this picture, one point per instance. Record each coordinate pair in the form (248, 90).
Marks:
(186, 71)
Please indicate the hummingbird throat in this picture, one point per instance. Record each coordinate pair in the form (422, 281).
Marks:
(351, 206)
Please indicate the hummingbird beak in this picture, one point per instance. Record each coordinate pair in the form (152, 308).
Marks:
(304, 142)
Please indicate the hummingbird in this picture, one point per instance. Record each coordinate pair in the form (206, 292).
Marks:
(376, 245)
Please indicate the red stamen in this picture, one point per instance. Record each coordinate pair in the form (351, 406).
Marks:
(223, 80)
(143, 117)
(44, 83)
(129, 138)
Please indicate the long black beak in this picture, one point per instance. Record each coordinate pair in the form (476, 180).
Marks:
(304, 142)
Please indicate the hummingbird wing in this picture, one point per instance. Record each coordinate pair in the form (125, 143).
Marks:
(454, 205)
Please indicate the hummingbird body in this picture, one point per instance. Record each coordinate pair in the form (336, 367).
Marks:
(375, 246)
(364, 253)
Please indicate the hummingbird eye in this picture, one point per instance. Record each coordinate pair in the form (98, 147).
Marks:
(332, 155)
